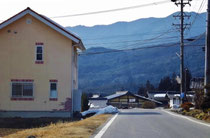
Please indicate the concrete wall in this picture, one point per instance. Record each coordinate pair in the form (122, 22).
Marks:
(77, 100)
(35, 114)
(17, 61)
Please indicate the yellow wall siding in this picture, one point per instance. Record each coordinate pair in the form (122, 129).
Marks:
(141, 101)
(131, 97)
(17, 61)
(114, 100)
(123, 100)
(124, 97)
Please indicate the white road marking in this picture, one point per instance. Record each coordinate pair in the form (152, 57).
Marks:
(181, 116)
(103, 130)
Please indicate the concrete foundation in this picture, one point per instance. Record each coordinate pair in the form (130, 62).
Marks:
(35, 114)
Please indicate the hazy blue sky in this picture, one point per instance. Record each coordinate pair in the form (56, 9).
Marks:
(52, 8)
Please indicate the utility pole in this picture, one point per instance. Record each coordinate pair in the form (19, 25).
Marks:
(207, 52)
(182, 48)
(182, 26)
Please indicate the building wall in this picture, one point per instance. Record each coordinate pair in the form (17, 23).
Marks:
(126, 101)
(17, 61)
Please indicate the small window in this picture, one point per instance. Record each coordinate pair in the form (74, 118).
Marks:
(174, 100)
(53, 90)
(22, 89)
(39, 53)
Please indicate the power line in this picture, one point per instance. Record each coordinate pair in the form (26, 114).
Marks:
(196, 16)
(133, 34)
(139, 48)
(154, 40)
(113, 10)
(150, 39)
(133, 49)
(118, 42)
(147, 47)
(142, 43)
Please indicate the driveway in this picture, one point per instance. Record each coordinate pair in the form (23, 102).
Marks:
(153, 123)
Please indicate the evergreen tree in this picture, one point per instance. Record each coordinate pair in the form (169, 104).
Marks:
(188, 79)
(143, 89)
(165, 84)
(175, 86)
(149, 86)
(84, 102)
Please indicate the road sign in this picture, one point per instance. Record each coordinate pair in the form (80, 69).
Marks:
(182, 95)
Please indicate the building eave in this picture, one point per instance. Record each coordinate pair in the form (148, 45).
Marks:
(46, 21)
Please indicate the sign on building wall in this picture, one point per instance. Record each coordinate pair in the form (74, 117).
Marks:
(132, 100)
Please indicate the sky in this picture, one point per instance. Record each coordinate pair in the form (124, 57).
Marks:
(54, 8)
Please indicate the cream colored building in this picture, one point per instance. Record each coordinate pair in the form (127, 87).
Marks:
(38, 67)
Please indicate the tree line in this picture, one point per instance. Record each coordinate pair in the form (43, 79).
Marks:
(167, 83)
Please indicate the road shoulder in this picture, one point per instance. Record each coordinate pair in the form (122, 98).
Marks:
(102, 129)
(187, 117)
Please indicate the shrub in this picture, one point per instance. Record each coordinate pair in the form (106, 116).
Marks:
(206, 102)
(194, 112)
(186, 106)
(184, 112)
(200, 116)
(207, 118)
(199, 97)
(208, 111)
(148, 105)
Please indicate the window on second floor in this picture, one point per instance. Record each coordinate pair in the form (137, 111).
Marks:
(39, 53)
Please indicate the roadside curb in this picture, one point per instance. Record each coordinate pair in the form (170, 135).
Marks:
(186, 117)
(105, 127)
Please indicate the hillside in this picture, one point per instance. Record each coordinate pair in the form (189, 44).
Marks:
(106, 73)
(113, 71)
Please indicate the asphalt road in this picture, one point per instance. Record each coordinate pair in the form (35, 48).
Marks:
(153, 123)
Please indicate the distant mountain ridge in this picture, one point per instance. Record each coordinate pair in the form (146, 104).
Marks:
(140, 29)
(106, 73)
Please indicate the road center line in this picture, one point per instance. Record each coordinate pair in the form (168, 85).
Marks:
(181, 116)
(103, 130)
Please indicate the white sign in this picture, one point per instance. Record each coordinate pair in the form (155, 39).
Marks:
(132, 100)
(178, 79)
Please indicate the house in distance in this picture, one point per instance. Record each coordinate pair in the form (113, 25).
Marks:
(38, 63)
(126, 99)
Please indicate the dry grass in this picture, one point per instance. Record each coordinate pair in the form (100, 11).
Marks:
(79, 129)
(7, 131)
(196, 113)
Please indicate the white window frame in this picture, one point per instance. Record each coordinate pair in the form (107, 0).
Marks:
(22, 82)
(40, 53)
(56, 90)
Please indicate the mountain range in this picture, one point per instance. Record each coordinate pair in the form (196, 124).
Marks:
(148, 50)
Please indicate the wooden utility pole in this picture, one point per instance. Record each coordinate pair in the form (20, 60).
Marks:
(182, 27)
(207, 51)
(182, 47)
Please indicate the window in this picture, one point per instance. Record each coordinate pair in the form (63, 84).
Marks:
(39, 53)
(53, 90)
(174, 100)
(22, 89)
(39, 59)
